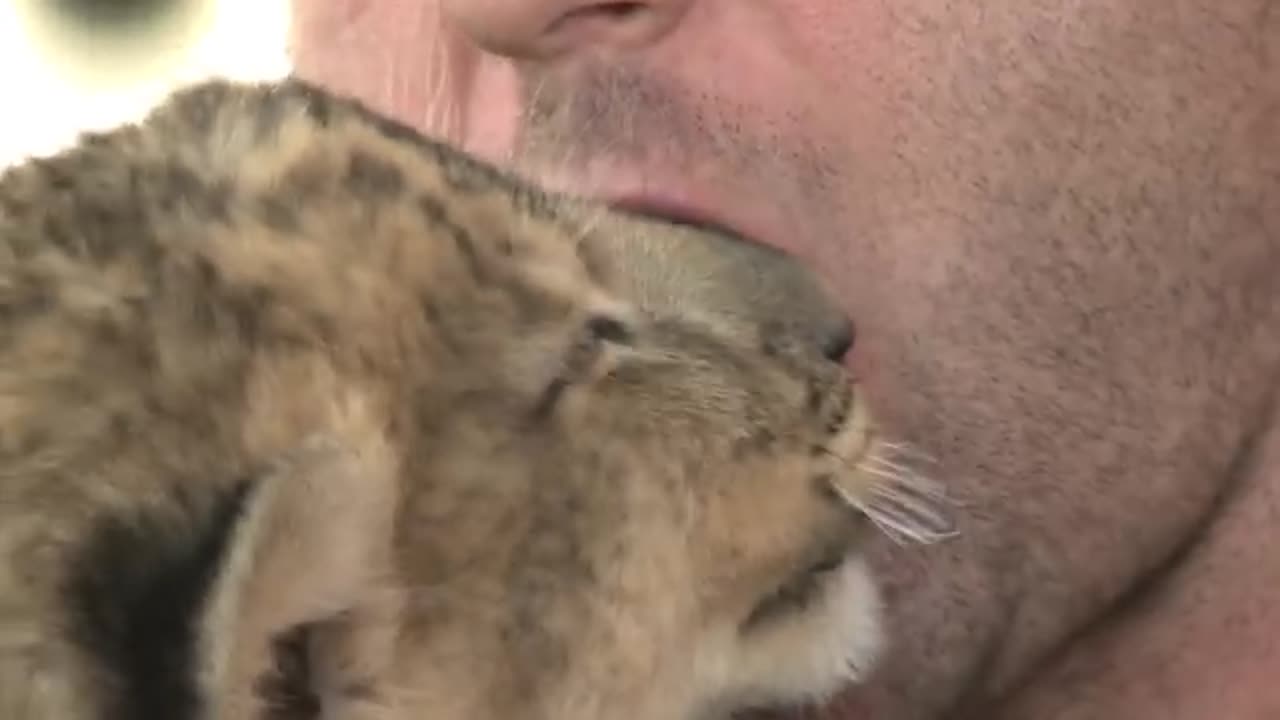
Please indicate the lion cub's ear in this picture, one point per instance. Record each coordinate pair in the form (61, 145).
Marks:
(304, 609)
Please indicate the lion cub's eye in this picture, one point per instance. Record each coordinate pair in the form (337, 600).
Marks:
(584, 359)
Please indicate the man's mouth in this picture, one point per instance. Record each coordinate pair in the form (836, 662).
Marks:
(680, 213)
(771, 264)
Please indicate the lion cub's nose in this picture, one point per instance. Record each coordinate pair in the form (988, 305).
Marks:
(836, 340)
(670, 268)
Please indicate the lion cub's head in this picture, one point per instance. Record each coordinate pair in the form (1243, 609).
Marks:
(655, 514)
(613, 509)
(631, 480)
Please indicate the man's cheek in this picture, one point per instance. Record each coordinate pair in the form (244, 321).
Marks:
(491, 102)
(405, 61)
(376, 51)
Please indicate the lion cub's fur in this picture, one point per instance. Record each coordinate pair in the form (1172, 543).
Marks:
(303, 415)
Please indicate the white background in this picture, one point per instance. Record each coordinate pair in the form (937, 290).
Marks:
(42, 108)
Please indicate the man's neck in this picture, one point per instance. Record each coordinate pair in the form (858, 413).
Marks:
(1201, 643)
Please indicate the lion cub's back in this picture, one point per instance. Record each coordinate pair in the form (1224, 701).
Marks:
(147, 275)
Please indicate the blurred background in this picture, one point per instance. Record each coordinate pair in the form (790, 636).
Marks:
(73, 65)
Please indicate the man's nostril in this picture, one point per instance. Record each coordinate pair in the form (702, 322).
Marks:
(616, 10)
(549, 30)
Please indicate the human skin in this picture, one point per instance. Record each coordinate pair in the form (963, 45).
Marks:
(1057, 227)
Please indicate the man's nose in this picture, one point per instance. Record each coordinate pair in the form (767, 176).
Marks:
(549, 29)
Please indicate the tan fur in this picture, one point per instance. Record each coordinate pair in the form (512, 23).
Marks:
(269, 290)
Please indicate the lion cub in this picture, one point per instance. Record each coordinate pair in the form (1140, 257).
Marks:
(303, 415)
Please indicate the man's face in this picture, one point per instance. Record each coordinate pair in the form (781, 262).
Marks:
(1048, 227)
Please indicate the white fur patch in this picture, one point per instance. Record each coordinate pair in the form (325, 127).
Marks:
(808, 656)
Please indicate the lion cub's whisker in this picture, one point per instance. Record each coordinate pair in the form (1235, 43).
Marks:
(921, 484)
(904, 504)
(907, 451)
(917, 518)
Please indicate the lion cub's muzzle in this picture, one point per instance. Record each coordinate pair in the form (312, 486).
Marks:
(880, 478)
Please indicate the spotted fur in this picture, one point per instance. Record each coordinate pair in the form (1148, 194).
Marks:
(303, 414)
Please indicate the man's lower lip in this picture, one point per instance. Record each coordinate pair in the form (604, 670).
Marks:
(675, 212)
(681, 213)
(690, 215)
